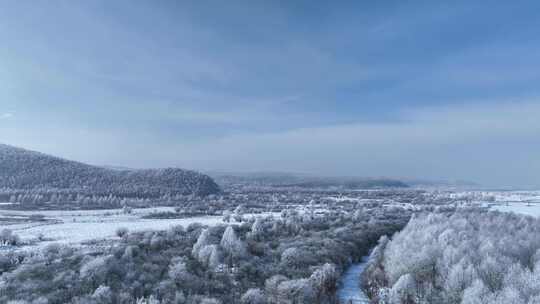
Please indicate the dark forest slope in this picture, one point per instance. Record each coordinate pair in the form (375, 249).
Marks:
(24, 169)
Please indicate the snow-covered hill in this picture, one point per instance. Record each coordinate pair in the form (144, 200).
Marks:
(24, 169)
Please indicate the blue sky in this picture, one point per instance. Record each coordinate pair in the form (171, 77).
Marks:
(427, 89)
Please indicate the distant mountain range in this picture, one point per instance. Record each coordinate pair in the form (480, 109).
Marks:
(24, 169)
(423, 183)
(302, 180)
(282, 179)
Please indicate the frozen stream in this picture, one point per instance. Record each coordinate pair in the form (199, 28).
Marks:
(350, 291)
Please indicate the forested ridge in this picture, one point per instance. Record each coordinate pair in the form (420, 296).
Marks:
(24, 169)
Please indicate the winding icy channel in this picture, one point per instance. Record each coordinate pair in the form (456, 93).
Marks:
(350, 291)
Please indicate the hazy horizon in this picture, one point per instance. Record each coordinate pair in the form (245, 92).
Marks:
(436, 91)
(416, 180)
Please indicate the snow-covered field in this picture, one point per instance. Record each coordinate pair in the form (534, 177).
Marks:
(520, 202)
(75, 227)
(520, 208)
(517, 196)
(340, 199)
(79, 226)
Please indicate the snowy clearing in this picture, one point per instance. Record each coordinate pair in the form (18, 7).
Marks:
(75, 227)
(520, 208)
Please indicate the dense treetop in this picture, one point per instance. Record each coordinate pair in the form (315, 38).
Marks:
(464, 258)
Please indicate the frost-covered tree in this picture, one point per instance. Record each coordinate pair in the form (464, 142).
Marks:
(257, 228)
(324, 280)
(253, 296)
(227, 216)
(7, 237)
(239, 213)
(149, 300)
(103, 295)
(467, 257)
(404, 291)
(210, 256)
(202, 240)
(271, 287)
(95, 270)
(291, 257)
(180, 274)
(232, 246)
(296, 292)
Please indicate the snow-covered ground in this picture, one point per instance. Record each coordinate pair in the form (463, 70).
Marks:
(90, 213)
(520, 202)
(340, 199)
(520, 208)
(75, 227)
(80, 226)
(349, 291)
